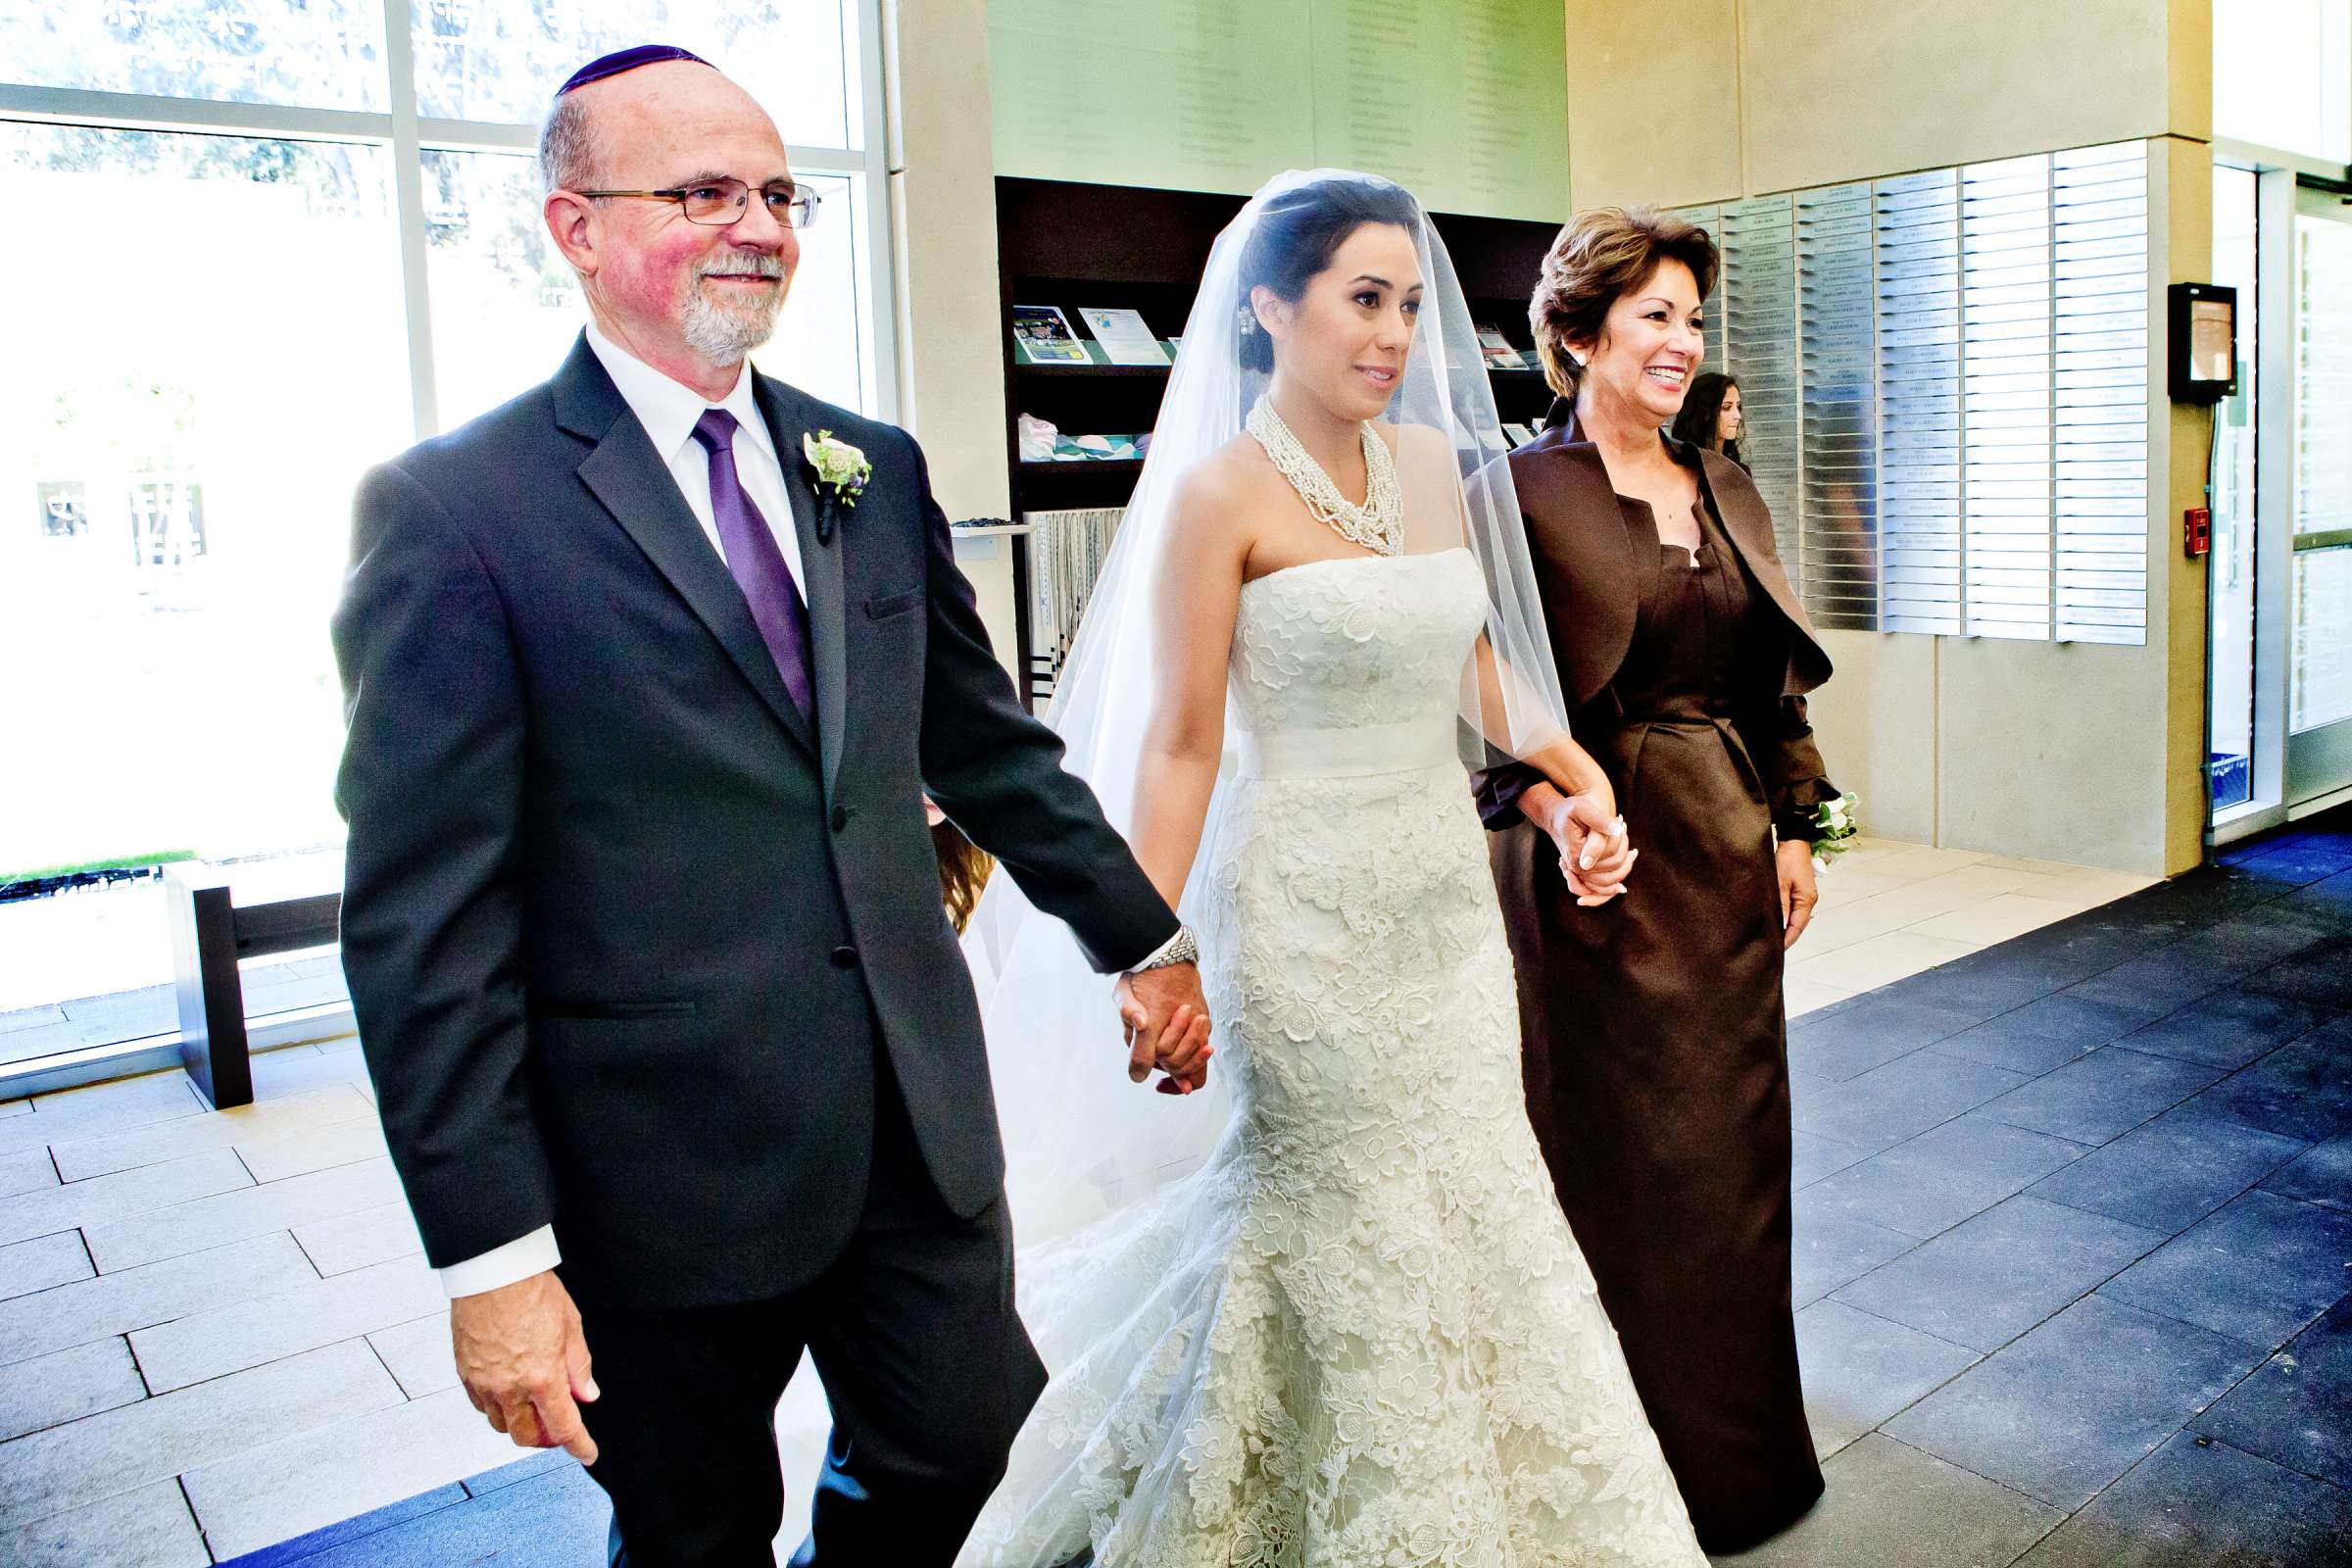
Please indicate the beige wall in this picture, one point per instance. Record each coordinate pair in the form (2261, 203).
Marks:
(942, 207)
(1877, 734)
(2076, 753)
(2187, 216)
(1653, 102)
(1680, 101)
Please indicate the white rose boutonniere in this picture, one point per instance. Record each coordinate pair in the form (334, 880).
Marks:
(1836, 822)
(837, 463)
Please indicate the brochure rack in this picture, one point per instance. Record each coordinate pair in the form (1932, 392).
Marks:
(1075, 246)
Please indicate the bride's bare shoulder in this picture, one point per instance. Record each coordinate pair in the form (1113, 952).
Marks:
(1231, 468)
(1417, 444)
(1225, 487)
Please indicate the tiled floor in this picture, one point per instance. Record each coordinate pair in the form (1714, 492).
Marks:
(2074, 1223)
(1891, 909)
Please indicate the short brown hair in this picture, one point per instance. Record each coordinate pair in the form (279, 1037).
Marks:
(1600, 258)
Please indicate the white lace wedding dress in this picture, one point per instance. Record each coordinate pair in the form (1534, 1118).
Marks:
(1361, 1334)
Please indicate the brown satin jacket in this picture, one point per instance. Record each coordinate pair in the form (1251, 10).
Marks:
(1581, 548)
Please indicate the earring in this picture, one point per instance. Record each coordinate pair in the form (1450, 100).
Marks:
(1248, 321)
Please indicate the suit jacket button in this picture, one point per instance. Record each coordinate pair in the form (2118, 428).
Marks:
(841, 817)
(845, 958)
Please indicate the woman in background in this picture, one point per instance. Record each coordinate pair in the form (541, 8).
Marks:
(1711, 417)
(1683, 656)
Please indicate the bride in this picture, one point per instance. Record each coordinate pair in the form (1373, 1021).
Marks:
(1328, 1316)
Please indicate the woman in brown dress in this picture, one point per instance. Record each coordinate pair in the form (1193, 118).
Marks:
(1656, 1058)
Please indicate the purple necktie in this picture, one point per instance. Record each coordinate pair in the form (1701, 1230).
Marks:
(757, 562)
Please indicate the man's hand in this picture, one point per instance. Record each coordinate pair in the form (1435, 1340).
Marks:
(1595, 854)
(1799, 892)
(1167, 1026)
(525, 1363)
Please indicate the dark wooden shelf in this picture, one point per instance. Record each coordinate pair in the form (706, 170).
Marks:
(1082, 371)
(1076, 245)
(1032, 470)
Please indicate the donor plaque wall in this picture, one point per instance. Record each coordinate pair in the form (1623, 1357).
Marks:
(1465, 102)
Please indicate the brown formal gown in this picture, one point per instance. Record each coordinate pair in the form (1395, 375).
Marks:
(1657, 1059)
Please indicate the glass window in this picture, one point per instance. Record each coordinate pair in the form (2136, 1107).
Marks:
(2320, 668)
(500, 60)
(178, 445)
(2320, 661)
(506, 308)
(818, 346)
(2322, 377)
(180, 461)
(2283, 74)
(322, 54)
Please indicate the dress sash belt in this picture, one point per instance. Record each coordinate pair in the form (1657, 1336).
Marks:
(1358, 752)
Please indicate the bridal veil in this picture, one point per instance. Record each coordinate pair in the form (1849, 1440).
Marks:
(1080, 1139)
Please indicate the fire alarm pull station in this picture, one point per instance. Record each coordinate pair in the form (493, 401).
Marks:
(2197, 535)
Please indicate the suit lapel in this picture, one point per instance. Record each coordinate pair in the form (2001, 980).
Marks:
(1743, 517)
(788, 420)
(1576, 525)
(1579, 484)
(629, 478)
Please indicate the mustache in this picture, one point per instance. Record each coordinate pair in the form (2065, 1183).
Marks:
(762, 264)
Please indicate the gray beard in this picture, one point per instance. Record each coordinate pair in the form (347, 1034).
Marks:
(724, 336)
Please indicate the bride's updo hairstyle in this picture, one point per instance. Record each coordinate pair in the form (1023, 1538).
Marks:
(1601, 258)
(1296, 237)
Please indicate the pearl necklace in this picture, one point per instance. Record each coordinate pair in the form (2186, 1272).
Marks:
(1378, 526)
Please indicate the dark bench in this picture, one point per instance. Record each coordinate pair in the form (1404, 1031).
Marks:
(209, 933)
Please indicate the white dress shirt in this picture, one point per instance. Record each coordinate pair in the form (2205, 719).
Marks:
(668, 410)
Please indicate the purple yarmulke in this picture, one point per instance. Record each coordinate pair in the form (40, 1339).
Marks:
(621, 59)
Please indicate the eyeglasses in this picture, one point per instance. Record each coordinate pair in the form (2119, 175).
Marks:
(724, 200)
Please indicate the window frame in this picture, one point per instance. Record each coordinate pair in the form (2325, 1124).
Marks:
(409, 136)
(2281, 174)
(2260, 157)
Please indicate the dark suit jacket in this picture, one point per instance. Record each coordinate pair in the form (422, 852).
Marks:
(1585, 577)
(621, 932)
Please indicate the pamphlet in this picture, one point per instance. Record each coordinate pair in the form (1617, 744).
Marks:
(1044, 333)
(1500, 356)
(1124, 338)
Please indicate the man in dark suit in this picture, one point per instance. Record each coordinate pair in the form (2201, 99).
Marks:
(648, 672)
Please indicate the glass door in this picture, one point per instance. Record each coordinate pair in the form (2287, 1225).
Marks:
(2231, 603)
(2318, 663)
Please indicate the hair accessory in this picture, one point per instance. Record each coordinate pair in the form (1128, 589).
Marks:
(621, 59)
